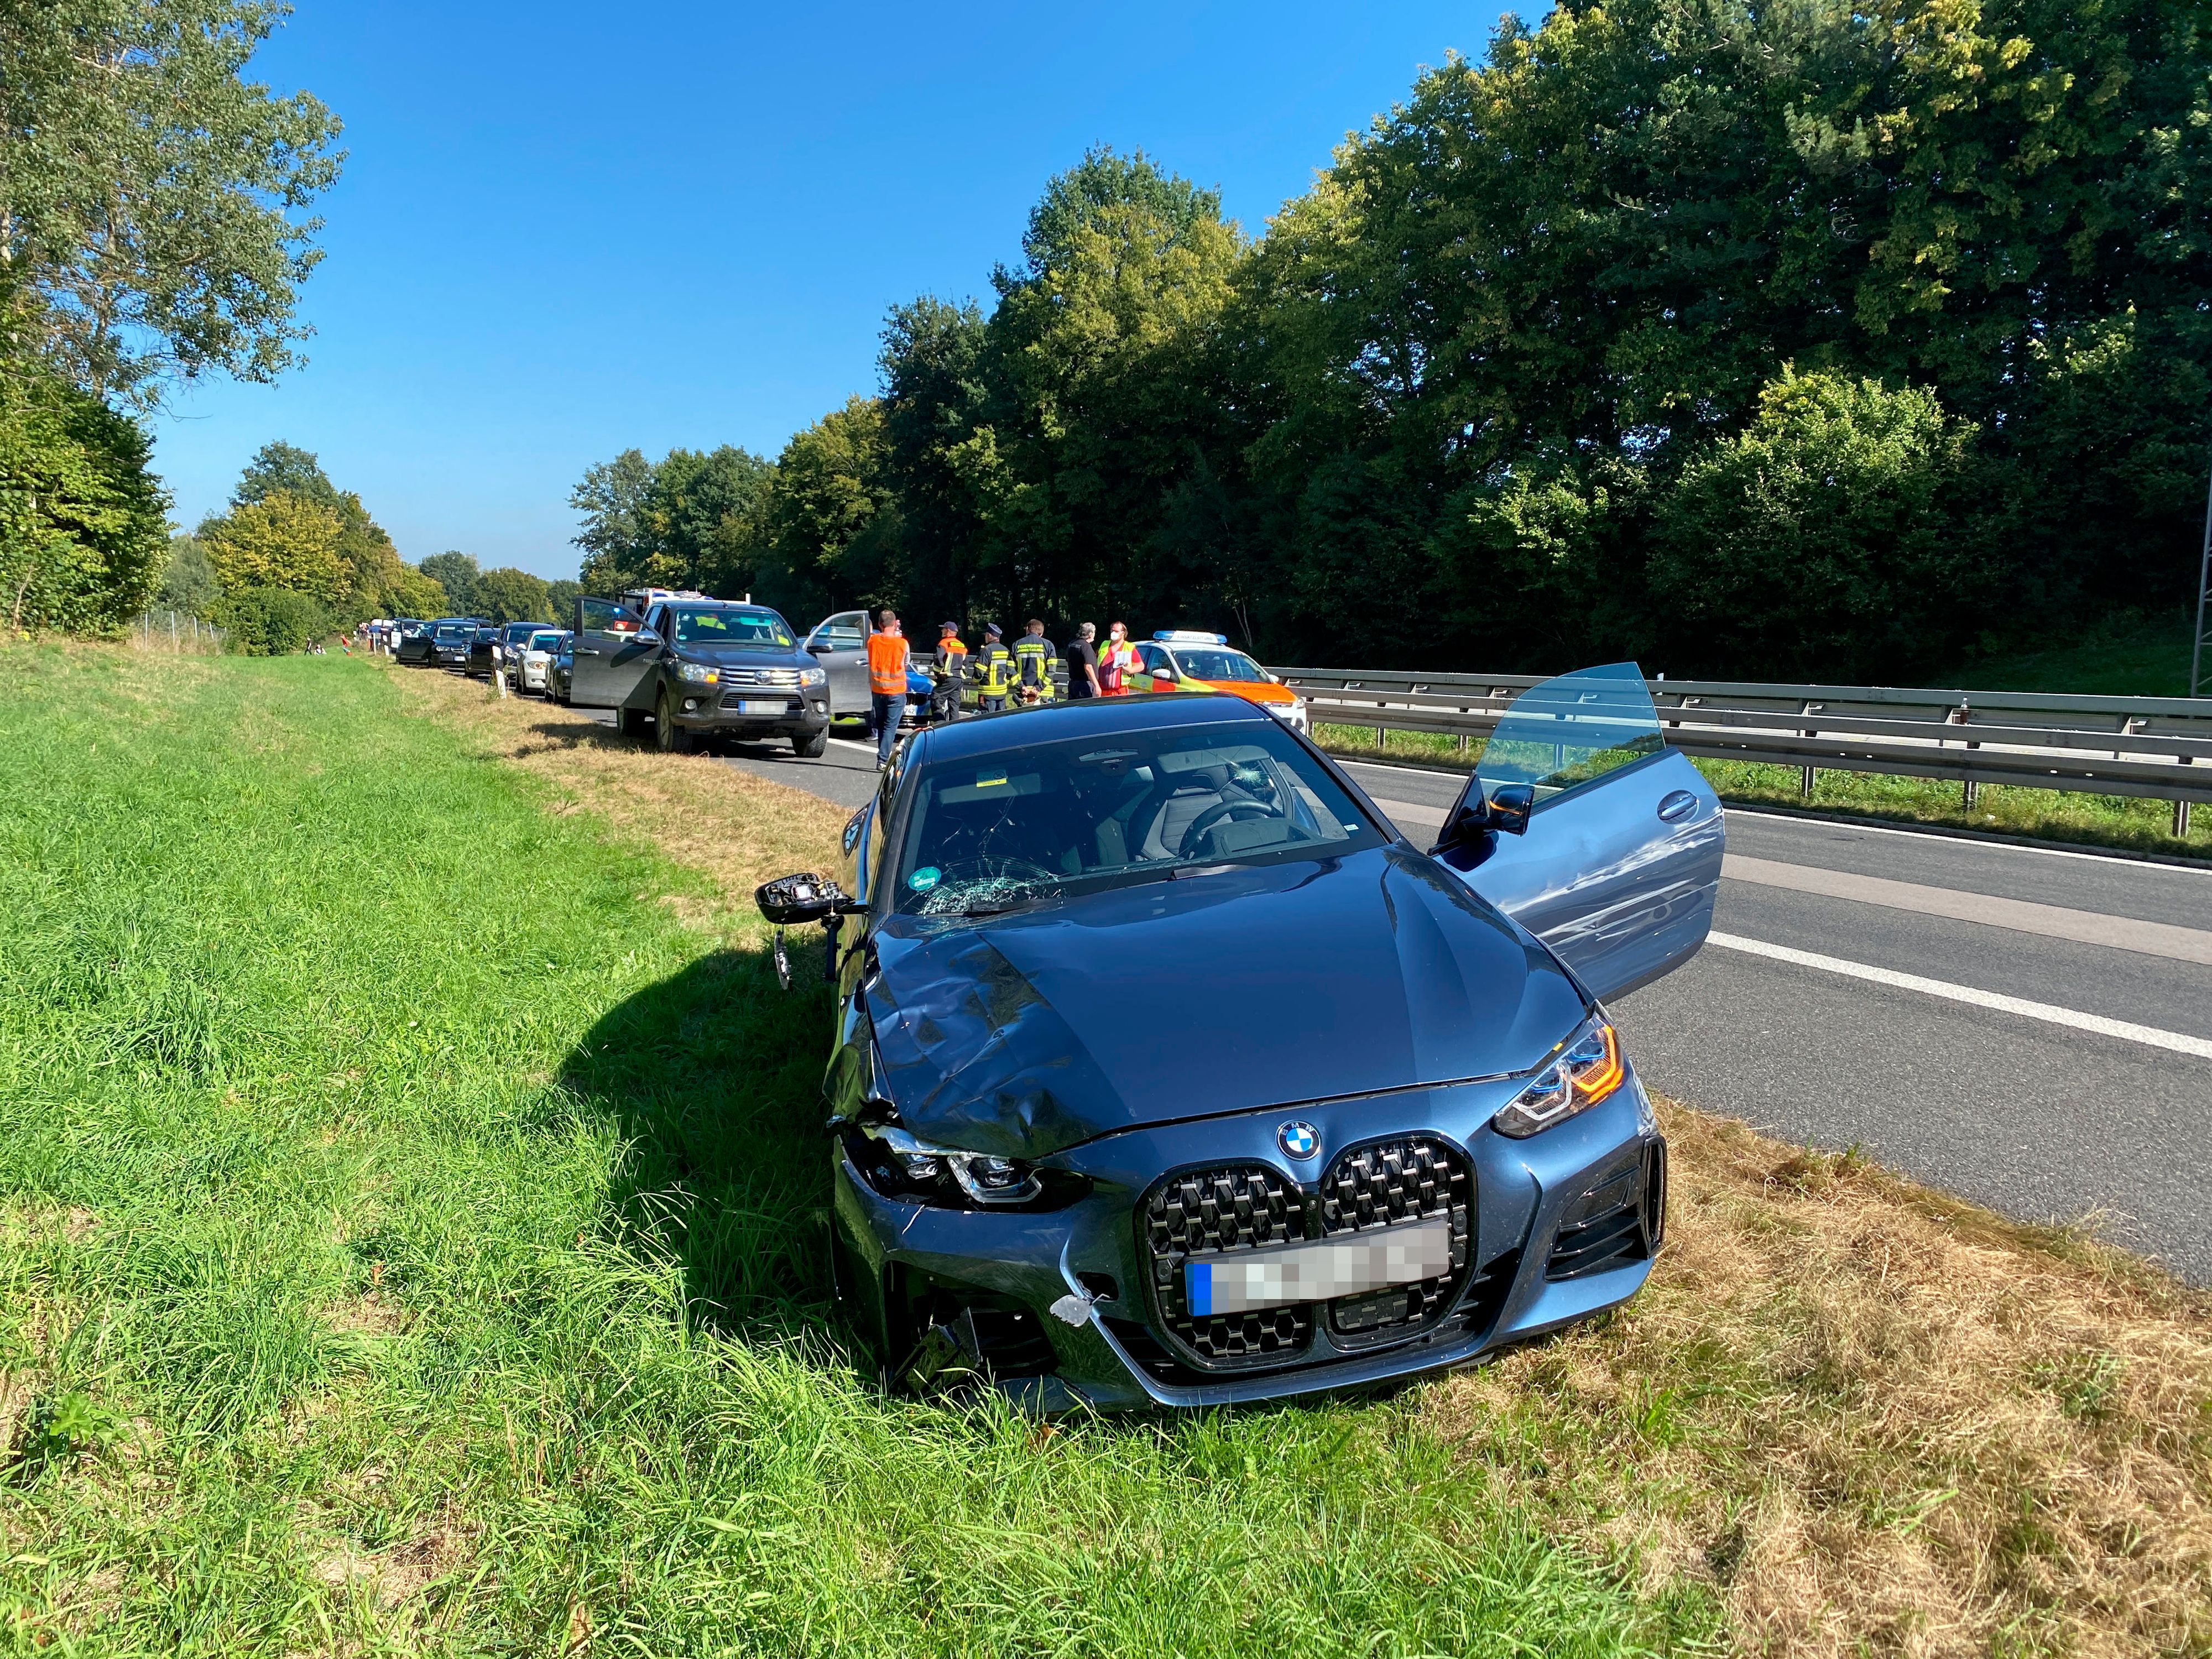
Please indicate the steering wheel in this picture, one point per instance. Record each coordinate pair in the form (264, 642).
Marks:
(1237, 812)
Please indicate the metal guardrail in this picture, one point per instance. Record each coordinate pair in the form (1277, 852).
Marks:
(2159, 748)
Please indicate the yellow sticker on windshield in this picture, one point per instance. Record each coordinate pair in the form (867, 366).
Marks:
(990, 779)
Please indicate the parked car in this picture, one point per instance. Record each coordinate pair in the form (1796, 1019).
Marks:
(483, 653)
(449, 644)
(1166, 1071)
(1180, 660)
(839, 645)
(532, 658)
(512, 638)
(711, 672)
(561, 670)
(417, 641)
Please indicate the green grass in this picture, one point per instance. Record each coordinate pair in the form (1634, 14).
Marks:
(2131, 655)
(409, 1240)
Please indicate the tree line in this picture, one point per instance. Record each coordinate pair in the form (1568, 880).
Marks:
(154, 232)
(1824, 340)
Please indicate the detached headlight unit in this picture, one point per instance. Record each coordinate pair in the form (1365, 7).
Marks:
(1584, 1070)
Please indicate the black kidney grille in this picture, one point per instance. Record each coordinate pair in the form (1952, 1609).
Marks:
(1207, 1213)
(1409, 1179)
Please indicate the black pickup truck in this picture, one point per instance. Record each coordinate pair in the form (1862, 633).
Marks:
(699, 671)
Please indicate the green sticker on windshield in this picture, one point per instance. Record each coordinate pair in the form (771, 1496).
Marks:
(924, 878)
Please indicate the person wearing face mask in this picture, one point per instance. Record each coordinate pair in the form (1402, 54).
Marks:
(1117, 661)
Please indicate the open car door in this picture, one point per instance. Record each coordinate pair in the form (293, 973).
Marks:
(1618, 856)
(613, 650)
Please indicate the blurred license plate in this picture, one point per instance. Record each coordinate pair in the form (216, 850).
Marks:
(1321, 1271)
(760, 705)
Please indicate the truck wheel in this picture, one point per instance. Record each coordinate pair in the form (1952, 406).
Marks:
(812, 746)
(672, 738)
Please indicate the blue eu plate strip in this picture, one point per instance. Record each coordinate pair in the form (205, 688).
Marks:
(1198, 1281)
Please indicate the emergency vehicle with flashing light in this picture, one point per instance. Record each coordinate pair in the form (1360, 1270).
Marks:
(1187, 660)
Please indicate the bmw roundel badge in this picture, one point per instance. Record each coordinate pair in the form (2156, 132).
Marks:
(1300, 1140)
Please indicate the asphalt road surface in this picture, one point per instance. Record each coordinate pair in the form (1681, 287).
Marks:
(2030, 1029)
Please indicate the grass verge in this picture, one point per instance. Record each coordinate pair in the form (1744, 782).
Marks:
(409, 1242)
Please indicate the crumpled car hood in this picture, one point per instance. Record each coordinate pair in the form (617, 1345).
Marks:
(1225, 992)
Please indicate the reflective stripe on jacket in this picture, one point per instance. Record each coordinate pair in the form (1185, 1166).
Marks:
(887, 665)
(1035, 658)
(994, 669)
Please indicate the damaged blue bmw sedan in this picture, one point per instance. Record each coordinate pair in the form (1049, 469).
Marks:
(1167, 1072)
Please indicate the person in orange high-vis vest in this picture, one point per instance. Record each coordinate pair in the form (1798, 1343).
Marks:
(886, 682)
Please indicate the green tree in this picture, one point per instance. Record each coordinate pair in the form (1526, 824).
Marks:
(281, 541)
(188, 578)
(560, 599)
(506, 595)
(617, 542)
(457, 575)
(150, 197)
(832, 521)
(83, 525)
(273, 622)
(693, 519)
(1818, 543)
(1071, 453)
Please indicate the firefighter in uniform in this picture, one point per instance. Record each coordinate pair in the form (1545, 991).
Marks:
(949, 670)
(993, 671)
(1034, 658)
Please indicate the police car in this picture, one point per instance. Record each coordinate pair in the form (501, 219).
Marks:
(1184, 660)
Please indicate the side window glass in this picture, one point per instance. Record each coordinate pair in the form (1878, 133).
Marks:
(604, 616)
(1570, 732)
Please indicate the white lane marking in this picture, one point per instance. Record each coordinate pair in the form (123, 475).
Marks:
(2151, 938)
(1407, 812)
(2179, 1042)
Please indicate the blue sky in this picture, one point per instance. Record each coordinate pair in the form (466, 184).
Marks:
(564, 230)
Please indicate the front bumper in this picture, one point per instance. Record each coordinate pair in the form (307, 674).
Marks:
(1535, 1206)
(736, 711)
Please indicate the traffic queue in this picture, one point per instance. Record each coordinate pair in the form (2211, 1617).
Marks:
(690, 669)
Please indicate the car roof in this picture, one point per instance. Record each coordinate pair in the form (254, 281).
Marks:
(1015, 728)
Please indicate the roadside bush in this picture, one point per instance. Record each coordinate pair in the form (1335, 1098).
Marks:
(83, 530)
(272, 622)
(1830, 539)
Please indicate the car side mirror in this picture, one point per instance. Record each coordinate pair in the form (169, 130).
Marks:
(1506, 812)
(647, 637)
(1510, 805)
(791, 901)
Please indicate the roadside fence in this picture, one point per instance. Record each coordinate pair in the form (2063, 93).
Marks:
(177, 630)
(2155, 747)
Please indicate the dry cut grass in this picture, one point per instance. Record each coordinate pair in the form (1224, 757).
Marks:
(1876, 1419)
(736, 829)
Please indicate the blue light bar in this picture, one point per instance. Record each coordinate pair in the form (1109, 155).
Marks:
(1188, 636)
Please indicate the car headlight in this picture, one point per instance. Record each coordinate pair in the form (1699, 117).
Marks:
(814, 677)
(696, 673)
(1588, 1069)
(946, 1174)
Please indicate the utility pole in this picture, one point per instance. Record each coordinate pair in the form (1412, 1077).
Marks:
(2204, 593)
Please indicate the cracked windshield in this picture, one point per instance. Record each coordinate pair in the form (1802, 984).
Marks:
(987, 835)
